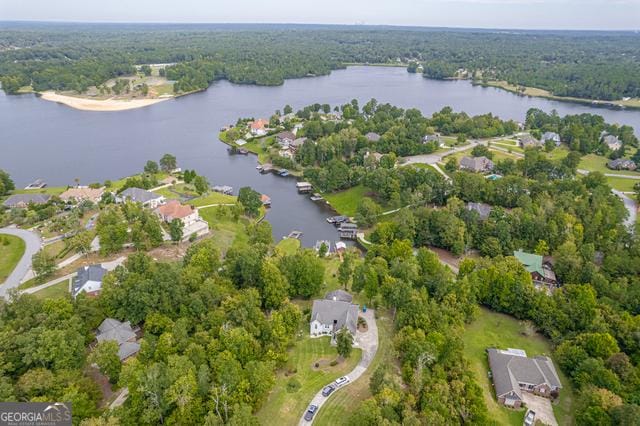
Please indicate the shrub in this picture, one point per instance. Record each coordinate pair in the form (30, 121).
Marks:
(293, 385)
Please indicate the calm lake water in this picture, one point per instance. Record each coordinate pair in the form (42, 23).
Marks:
(40, 139)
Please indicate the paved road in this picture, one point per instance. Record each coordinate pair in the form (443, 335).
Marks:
(632, 208)
(33, 244)
(368, 342)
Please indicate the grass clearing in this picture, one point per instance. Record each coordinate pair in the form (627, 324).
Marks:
(341, 405)
(622, 184)
(11, 251)
(346, 202)
(287, 246)
(287, 407)
(492, 329)
(597, 163)
(55, 291)
(50, 190)
(213, 198)
(225, 231)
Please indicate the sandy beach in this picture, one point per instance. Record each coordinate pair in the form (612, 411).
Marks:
(99, 105)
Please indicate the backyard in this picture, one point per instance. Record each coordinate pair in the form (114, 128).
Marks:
(57, 290)
(501, 331)
(300, 380)
(346, 202)
(11, 251)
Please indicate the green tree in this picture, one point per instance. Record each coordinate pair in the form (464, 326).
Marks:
(274, 286)
(344, 342)
(111, 229)
(176, 230)
(43, 264)
(287, 109)
(6, 184)
(367, 212)
(250, 200)
(81, 242)
(151, 167)
(345, 270)
(105, 355)
(168, 162)
(201, 184)
(304, 272)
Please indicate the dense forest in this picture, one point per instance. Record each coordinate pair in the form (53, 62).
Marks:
(74, 57)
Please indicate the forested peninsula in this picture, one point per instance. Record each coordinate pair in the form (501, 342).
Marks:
(78, 58)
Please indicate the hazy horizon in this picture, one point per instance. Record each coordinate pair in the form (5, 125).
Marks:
(603, 15)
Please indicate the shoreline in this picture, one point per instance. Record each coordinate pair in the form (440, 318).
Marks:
(96, 105)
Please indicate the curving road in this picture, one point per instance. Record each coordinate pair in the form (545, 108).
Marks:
(32, 245)
(368, 342)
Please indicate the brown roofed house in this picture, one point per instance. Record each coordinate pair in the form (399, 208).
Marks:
(476, 164)
(82, 193)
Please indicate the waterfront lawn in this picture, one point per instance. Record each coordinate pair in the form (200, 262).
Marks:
(213, 198)
(49, 190)
(11, 250)
(597, 163)
(55, 291)
(496, 330)
(287, 246)
(287, 407)
(225, 231)
(341, 405)
(346, 202)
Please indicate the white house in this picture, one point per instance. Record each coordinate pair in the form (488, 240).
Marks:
(329, 316)
(88, 280)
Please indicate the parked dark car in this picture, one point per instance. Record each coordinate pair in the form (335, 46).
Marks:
(326, 391)
(311, 411)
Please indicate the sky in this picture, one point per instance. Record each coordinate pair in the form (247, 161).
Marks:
(520, 14)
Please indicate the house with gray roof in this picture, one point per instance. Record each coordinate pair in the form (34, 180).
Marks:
(528, 141)
(481, 208)
(285, 138)
(622, 164)
(340, 295)
(551, 136)
(142, 196)
(23, 200)
(121, 333)
(514, 373)
(476, 164)
(612, 142)
(372, 137)
(329, 316)
(89, 280)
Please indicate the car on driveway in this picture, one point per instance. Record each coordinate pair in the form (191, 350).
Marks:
(326, 391)
(311, 411)
(342, 380)
(530, 418)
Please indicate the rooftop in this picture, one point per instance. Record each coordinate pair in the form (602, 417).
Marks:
(173, 209)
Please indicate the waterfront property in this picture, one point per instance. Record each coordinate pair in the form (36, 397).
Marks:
(551, 136)
(259, 127)
(285, 139)
(122, 334)
(612, 142)
(82, 193)
(540, 269)
(23, 200)
(188, 215)
(330, 316)
(88, 280)
(514, 373)
(147, 198)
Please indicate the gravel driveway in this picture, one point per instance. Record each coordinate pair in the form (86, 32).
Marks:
(542, 407)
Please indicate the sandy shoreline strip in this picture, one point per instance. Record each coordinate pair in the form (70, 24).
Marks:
(99, 105)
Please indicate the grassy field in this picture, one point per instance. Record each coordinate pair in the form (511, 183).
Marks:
(50, 190)
(225, 231)
(342, 404)
(346, 202)
(287, 246)
(287, 407)
(58, 290)
(622, 184)
(213, 198)
(11, 250)
(597, 163)
(491, 329)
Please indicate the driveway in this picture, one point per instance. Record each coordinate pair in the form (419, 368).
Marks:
(542, 407)
(32, 245)
(368, 342)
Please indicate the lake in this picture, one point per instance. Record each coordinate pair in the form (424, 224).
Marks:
(40, 139)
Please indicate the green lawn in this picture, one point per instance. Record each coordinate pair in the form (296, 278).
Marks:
(491, 329)
(597, 163)
(558, 153)
(346, 202)
(58, 290)
(50, 190)
(342, 404)
(286, 408)
(213, 198)
(225, 231)
(622, 184)
(11, 250)
(288, 246)
(512, 148)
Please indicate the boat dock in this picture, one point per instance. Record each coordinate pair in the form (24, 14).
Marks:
(303, 187)
(37, 184)
(348, 231)
(223, 189)
(295, 234)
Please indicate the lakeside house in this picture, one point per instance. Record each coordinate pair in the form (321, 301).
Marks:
(330, 316)
(188, 215)
(82, 193)
(122, 334)
(147, 198)
(514, 373)
(541, 271)
(88, 279)
(286, 152)
(551, 136)
(612, 142)
(285, 139)
(297, 143)
(622, 164)
(22, 201)
(528, 141)
(258, 127)
(372, 137)
(476, 164)
(483, 210)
